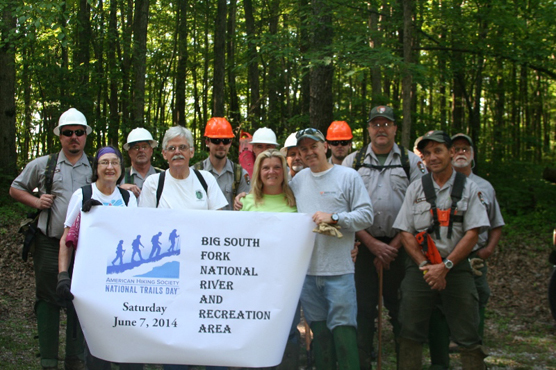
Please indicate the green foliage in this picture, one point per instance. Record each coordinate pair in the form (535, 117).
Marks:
(527, 201)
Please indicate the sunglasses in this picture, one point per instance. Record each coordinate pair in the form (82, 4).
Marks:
(69, 133)
(307, 131)
(340, 142)
(218, 141)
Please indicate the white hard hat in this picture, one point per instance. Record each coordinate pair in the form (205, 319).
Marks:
(72, 117)
(264, 135)
(140, 134)
(291, 142)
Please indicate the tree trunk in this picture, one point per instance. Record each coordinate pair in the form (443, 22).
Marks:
(321, 114)
(235, 114)
(8, 156)
(140, 25)
(407, 79)
(113, 73)
(375, 42)
(218, 87)
(81, 66)
(254, 112)
(181, 71)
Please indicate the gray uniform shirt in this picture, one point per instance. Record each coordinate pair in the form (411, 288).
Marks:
(226, 179)
(386, 187)
(339, 190)
(136, 177)
(415, 215)
(488, 197)
(67, 179)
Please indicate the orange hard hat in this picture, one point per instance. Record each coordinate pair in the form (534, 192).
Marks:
(339, 130)
(219, 127)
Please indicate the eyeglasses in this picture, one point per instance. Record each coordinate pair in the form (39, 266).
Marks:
(106, 163)
(69, 133)
(140, 147)
(462, 149)
(181, 148)
(382, 124)
(218, 141)
(340, 142)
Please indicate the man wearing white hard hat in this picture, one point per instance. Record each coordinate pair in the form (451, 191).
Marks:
(56, 176)
(139, 146)
(263, 139)
(293, 157)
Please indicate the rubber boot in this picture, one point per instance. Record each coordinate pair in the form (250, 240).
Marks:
(439, 341)
(345, 342)
(290, 360)
(411, 355)
(473, 358)
(323, 346)
(482, 311)
(48, 322)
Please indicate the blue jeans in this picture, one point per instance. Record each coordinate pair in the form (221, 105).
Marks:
(331, 299)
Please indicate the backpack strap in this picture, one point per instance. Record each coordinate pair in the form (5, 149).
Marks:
(457, 191)
(238, 171)
(430, 194)
(201, 180)
(48, 180)
(87, 193)
(360, 158)
(405, 161)
(125, 195)
(160, 187)
(127, 178)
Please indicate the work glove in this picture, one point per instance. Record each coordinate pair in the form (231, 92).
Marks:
(476, 265)
(330, 230)
(89, 204)
(63, 287)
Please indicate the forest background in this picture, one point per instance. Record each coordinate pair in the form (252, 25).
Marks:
(484, 67)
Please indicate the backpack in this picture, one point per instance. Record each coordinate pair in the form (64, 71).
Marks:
(160, 186)
(238, 171)
(88, 193)
(360, 158)
(430, 194)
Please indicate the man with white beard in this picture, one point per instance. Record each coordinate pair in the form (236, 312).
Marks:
(488, 239)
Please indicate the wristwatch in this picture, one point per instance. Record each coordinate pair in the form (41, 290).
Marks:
(449, 264)
(335, 218)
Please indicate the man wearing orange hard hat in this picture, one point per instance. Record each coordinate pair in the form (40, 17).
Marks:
(231, 177)
(339, 138)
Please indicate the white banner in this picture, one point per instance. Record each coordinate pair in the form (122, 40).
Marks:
(190, 287)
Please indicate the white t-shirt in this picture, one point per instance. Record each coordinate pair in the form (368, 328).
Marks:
(115, 200)
(183, 194)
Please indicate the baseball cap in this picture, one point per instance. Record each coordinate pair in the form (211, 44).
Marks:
(382, 111)
(436, 135)
(462, 136)
(311, 133)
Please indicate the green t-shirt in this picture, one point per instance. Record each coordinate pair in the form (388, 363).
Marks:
(271, 203)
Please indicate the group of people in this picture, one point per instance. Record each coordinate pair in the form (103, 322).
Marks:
(424, 225)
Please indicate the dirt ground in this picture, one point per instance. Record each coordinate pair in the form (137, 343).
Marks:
(520, 331)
